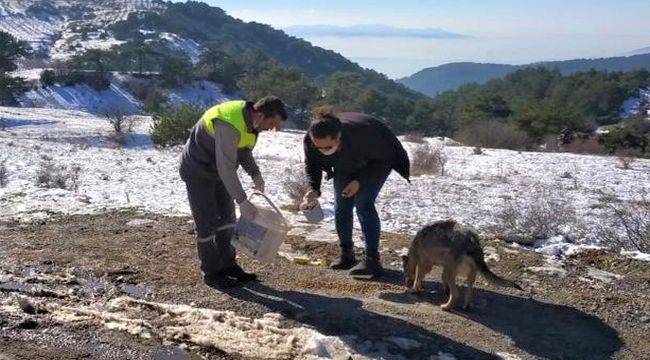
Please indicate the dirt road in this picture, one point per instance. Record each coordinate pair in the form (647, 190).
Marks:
(56, 276)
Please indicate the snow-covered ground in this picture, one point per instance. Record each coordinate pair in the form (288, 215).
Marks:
(115, 99)
(473, 190)
(82, 97)
(636, 105)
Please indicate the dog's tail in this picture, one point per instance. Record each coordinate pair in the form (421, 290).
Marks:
(491, 277)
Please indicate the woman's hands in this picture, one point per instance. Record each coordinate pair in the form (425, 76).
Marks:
(309, 200)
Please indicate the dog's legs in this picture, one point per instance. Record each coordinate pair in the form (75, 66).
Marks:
(469, 292)
(449, 278)
(420, 273)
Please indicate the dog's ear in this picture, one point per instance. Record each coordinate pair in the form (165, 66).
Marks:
(405, 258)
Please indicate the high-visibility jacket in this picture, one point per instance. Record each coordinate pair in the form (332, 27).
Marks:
(231, 112)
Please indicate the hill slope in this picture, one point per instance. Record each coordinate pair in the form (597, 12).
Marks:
(434, 80)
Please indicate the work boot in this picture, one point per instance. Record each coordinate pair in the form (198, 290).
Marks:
(346, 261)
(220, 282)
(238, 273)
(369, 268)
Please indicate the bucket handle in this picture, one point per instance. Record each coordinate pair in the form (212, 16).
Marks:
(275, 208)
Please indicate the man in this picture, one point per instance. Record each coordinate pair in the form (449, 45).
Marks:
(359, 152)
(220, 141)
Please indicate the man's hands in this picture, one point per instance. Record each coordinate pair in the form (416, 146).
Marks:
(247, 210)
(309, 200)
(351, 189)
(258, 183)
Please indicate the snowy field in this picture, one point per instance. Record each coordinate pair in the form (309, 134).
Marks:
(472, 191)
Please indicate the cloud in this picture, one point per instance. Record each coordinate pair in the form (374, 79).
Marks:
(370, 31)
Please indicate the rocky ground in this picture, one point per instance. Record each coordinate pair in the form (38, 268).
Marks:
(57, 275)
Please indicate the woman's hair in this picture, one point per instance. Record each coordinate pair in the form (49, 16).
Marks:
(325, 123)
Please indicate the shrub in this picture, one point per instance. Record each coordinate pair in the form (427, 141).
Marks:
(624, 158)
(48, 78)
(584, 146)
(173, 126)
(155, 101)
(626, 224)
(121, 125)
(50, 175)
(428, 159)
(295, 184)
(4, 175)
(494, 134)
(541, 214)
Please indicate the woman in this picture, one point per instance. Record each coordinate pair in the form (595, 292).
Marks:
(359, 152)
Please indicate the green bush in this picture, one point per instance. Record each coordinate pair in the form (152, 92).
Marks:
(173, 126)
(632, 135)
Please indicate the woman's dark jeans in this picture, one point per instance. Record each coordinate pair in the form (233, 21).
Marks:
(364, 201)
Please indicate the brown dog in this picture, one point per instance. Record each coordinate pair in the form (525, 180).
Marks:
(457, 250)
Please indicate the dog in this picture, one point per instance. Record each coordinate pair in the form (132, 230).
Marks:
(457, 249)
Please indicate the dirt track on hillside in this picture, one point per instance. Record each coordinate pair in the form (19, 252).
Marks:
(570, 315)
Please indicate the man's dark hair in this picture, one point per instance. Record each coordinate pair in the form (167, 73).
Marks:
(325, 123)
(271, 106)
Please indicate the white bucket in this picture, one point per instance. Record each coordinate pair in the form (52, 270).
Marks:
(261, 238)
(314, 214)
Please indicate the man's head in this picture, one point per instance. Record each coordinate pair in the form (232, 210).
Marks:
(325, 131)
(269, 113)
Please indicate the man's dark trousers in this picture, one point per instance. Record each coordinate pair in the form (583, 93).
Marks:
(212, 207)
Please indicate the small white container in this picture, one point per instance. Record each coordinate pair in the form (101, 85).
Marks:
(261, 238)
(315, 214)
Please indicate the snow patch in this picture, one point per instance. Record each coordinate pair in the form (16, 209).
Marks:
(552, 267)
(637, 255)
(199, 93)
(82, 97)
(602, 275)
(141, 223)
(264, 337)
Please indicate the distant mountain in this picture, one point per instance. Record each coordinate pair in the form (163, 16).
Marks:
(434, 80)
(63, 28)
(645, 50)
(370, 31)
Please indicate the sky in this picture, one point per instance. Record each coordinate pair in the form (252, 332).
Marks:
(498, 31)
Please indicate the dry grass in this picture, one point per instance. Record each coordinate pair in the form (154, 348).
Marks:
(295, 184)
(625, 159)
(4, 175)
(584, 146)
(495, 134)
(626, 224)
(417, 138)
(428, 159)
(544, 212)
(51, 176)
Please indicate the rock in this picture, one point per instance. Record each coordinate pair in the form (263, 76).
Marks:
(83, 199)
(28, 324)
(141, 223)
(26, 306)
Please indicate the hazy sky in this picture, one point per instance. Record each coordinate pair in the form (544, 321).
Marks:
(498, 30)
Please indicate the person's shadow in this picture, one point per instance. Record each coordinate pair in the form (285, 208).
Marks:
(541, 329)
(365, 332)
